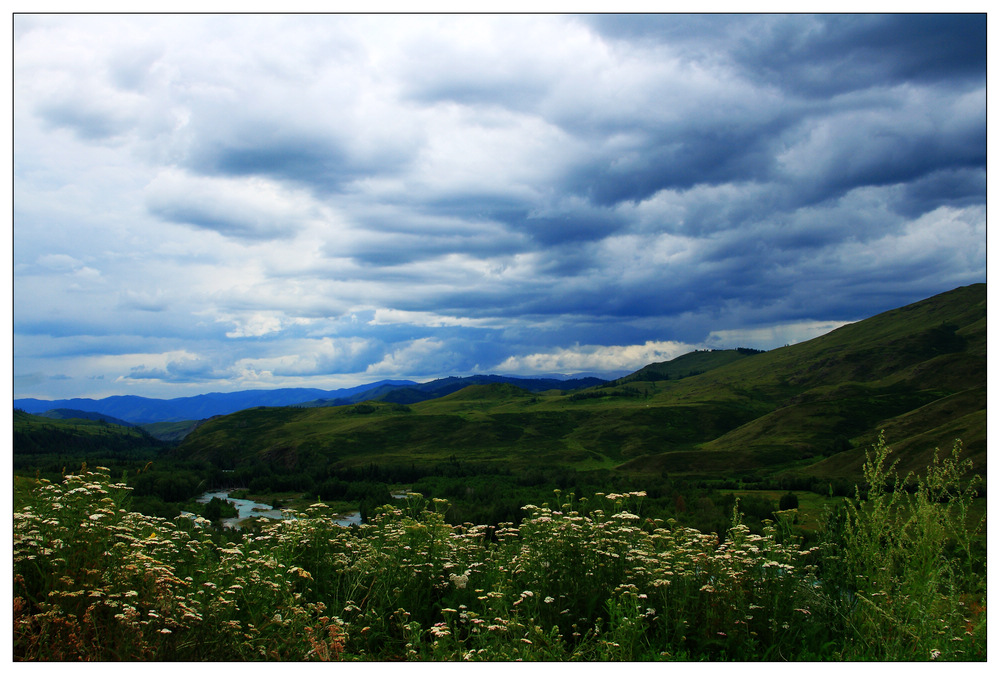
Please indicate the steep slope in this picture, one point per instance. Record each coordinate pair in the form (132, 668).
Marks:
(832, 394)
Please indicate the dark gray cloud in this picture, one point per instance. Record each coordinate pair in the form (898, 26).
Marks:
(679, 159)
(957, 188)
(841, 53)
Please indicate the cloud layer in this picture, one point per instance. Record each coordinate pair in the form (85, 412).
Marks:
(207, 203)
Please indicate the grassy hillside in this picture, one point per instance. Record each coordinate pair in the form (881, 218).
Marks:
(688, 365)
(805, 410)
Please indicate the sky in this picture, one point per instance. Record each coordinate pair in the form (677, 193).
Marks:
(211, 203)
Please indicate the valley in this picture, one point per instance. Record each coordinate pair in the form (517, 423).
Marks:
(796, 418)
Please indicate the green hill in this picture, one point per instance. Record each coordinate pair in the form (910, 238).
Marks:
(40, 440)
(805, 410)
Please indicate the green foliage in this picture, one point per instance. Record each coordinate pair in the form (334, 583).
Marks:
(899, 576)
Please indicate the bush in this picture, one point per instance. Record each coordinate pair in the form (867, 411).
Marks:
(788, 501)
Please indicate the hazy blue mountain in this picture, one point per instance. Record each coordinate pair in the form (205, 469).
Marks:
(414, 393)
(142, 410)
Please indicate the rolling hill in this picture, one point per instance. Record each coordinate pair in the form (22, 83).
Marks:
(809, 409)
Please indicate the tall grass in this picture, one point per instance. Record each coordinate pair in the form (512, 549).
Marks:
(909, 582)
(578, 579)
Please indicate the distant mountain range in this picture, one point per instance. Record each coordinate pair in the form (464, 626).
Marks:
(142, 410)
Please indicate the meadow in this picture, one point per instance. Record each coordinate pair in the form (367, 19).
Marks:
(897, 572)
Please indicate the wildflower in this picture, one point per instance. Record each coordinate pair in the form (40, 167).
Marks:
(935, 653)
(440, 630)
(301, 572)
(549, 599)
(625, 515)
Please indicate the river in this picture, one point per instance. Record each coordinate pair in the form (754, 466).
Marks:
(247, 508)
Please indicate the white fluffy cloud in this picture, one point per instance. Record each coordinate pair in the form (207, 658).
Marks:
(580, 358)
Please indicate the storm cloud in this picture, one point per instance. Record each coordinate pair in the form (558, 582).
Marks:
(212, 203)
